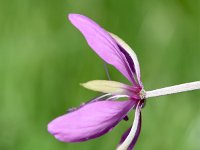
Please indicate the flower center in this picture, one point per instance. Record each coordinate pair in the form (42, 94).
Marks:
(142, 94)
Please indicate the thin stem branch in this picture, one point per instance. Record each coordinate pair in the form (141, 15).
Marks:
(106, 69)
(173, 89)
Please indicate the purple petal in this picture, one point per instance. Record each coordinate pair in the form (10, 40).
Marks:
(135, 138)
(131, 57)
(137, 126)
(89, 121)
(104, 45)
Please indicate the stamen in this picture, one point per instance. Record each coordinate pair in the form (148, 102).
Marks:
(117, 97)
(105, 95)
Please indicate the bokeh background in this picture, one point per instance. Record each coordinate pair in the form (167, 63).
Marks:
(43, 58)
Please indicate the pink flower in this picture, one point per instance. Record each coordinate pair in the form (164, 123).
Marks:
(103, 113)
(100, 115)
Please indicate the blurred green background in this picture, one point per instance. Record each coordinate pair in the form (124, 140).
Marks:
(43, 58)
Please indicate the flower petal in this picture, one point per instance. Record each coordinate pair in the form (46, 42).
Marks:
(126, 133)
(103, 44)
(130, 56)
(106, 86)
(130, 137)
(113, 87)
(89, 121)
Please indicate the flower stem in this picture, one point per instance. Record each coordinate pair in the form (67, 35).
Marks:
(173, 89)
